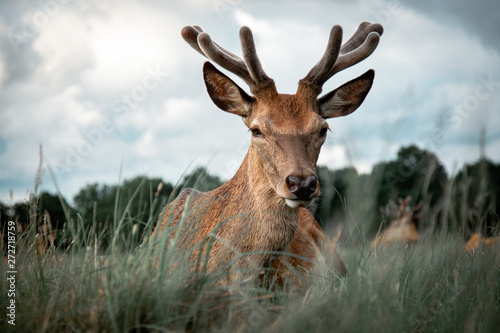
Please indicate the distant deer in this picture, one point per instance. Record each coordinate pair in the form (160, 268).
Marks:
(45, 237)
(261, 211)
(477, 240)
(403, 229)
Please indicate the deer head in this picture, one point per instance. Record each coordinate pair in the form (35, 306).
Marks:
(287, 130)
(403, 229)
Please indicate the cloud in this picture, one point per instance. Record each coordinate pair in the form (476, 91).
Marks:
(81, 84)
(478, 19)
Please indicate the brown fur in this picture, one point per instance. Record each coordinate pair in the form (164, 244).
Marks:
(309, 242)
(402, 230)
(247, 212)
(477, 240)
(231, 211)
(241, 225)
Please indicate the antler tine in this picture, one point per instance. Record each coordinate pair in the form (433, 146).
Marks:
(250, 69)
(201, 42)
(357, 55)
(250, 55)
(359, 47)
(402, 207)
(190, 35)
(360, 35)
(362, 43)
(232, 63)
(318, 74)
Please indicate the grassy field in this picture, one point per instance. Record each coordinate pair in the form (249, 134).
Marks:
(98, 279)
(435, 286)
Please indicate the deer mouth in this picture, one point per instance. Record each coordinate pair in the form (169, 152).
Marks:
(294, 203)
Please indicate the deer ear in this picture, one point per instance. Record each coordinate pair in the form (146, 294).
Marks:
(347, 98)
(226, 94)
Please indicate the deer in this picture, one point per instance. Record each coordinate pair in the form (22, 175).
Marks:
(401, 230)
(46, 236)
(258, 222)
(477, 241)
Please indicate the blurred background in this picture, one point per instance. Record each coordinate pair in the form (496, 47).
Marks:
(113, 94)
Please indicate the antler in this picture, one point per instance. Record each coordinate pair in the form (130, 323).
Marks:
(336, 58)
(249, 69)
(402, 206)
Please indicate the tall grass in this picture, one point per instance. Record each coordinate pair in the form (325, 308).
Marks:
(433, 286)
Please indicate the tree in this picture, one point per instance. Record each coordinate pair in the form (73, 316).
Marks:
(416, 173)
(99, 196)
(53, 205)
(337, 188)
(4, 219)
(139, 195)
(477, 196)
(200, 180)
(137, 202)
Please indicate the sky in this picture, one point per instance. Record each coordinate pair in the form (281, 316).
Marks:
(111, 91)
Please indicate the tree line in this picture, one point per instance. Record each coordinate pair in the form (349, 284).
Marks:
(464, 202)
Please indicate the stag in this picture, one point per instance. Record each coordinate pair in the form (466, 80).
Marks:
(258, 221)
(401, 230)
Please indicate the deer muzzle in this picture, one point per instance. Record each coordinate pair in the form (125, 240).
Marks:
(302, 190)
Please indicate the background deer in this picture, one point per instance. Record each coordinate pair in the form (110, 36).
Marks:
(46, 236)
(403, 229)
(262, 209)
(477, 240)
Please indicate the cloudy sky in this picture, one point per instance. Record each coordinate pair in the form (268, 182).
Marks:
(109, 84)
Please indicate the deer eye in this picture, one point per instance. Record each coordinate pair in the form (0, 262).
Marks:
(323, 131)
(256, 132)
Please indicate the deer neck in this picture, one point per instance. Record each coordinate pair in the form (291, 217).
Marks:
(269, 216)
(258, 192)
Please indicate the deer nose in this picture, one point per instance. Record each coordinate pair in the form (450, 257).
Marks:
(302, 188)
